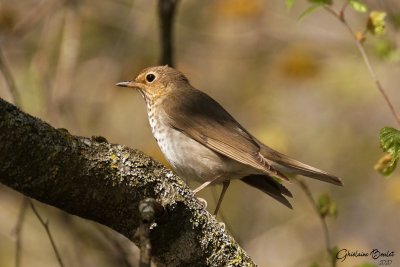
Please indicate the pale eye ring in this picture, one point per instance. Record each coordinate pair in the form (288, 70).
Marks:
(150, 77)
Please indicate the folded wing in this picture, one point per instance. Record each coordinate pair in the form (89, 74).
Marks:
(203, 119)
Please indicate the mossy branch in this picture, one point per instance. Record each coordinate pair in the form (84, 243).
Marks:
(105, 183)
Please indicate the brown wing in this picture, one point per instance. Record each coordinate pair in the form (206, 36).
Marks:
(200, 117)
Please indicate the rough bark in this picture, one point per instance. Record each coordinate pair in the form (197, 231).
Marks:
(105, 183)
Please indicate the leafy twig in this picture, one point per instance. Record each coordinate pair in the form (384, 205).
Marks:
(310, 197)
(360, 47)
(47, 229)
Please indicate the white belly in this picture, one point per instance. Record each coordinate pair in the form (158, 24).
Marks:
(192, 160)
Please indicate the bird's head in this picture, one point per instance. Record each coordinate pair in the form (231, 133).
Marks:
(156, 82)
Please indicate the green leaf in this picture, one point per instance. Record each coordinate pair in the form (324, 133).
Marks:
(314, 264)
(334, 251)
(376, 22)
(326, 206)
(323, 204)
(332, 210)
(315, 4)
(308, 11)
(358, 6)
(390, 143)
(387, 50)
(289, 4)
(321, 2)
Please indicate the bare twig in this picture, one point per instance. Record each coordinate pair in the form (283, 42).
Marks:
(343, 9)
(18, 231)
(309, 195)
(67, 61)
(34, 15)
(47, 229)
(9, 79)
(166, 12)
(367, 62)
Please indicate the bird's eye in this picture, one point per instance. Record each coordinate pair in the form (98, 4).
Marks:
(150, 77)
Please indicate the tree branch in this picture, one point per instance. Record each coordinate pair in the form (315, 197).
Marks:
(103, 182)
(166, 13)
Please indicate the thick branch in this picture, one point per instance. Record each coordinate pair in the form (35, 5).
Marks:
(93, 179)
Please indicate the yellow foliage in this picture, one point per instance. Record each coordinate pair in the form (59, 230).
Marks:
(376, 22)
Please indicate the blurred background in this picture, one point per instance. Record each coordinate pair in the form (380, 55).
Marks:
(299, 86)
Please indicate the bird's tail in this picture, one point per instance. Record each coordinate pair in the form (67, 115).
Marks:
(286, 164)
(269, 186)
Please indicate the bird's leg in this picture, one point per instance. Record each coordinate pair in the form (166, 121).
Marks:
(202, 200)
(202, 186)
(225, 185)
(198, 189)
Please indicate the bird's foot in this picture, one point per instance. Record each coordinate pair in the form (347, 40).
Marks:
(203, 202)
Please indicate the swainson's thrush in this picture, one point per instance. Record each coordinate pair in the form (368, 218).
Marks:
(204, 142)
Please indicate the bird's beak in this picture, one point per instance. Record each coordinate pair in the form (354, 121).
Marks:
(131, 84)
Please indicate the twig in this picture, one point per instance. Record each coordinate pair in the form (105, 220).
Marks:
(47, 229)
(9, 79)
(367, 62)
(309, 195)
(67, 61)
(342, 10)
(18, 230)
(34, 15)
(166, 12)
(149, 209)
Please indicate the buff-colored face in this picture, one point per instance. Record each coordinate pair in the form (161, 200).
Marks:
(155, 82)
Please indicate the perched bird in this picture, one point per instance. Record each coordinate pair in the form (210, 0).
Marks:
(202, 141)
